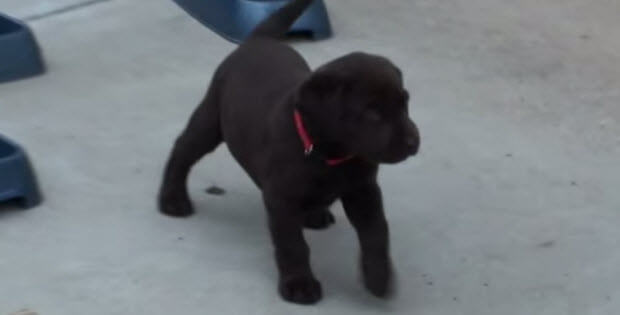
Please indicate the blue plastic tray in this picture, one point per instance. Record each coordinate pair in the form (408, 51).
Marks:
(235, 19)
(17, 180)
(20, 56)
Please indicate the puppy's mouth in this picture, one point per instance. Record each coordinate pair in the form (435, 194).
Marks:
(402, 152)
(395, 149)
(395, 157)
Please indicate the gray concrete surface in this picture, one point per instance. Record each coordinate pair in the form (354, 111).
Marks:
(512, 207)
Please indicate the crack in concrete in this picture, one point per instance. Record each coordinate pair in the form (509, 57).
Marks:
(61, 10)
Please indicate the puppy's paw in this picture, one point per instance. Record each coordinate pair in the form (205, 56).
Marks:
(175, 205)
(319, 220)
(300, 289)
(378, 276)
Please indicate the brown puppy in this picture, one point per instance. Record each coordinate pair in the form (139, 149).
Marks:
(306, 139)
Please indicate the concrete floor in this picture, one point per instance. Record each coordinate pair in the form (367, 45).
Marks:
(512, 207)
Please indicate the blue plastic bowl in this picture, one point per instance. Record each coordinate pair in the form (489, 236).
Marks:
(17, 180)
(20, 56)
(235, 19)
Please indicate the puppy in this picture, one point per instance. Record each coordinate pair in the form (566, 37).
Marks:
(306, 139)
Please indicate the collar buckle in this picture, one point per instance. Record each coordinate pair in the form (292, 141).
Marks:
(309, 150)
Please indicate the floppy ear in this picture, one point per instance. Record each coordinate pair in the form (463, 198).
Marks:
(321, 92)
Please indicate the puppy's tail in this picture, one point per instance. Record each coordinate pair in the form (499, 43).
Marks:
(278, 24)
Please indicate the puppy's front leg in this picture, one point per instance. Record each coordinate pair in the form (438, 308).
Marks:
(364, 208)
(297, 284)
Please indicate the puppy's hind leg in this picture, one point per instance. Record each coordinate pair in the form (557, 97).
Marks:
(201, 136)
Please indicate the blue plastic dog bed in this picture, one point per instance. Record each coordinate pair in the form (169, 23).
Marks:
(20, 56)
(235, 19)
(17, 180)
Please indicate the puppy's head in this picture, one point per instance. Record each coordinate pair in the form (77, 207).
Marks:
(358, 104)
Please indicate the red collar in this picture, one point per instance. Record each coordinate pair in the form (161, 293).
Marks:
(309, 145)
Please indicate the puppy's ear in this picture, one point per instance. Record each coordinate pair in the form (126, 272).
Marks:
(320, 92)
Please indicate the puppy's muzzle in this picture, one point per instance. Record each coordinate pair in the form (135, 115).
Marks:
(412, 140)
